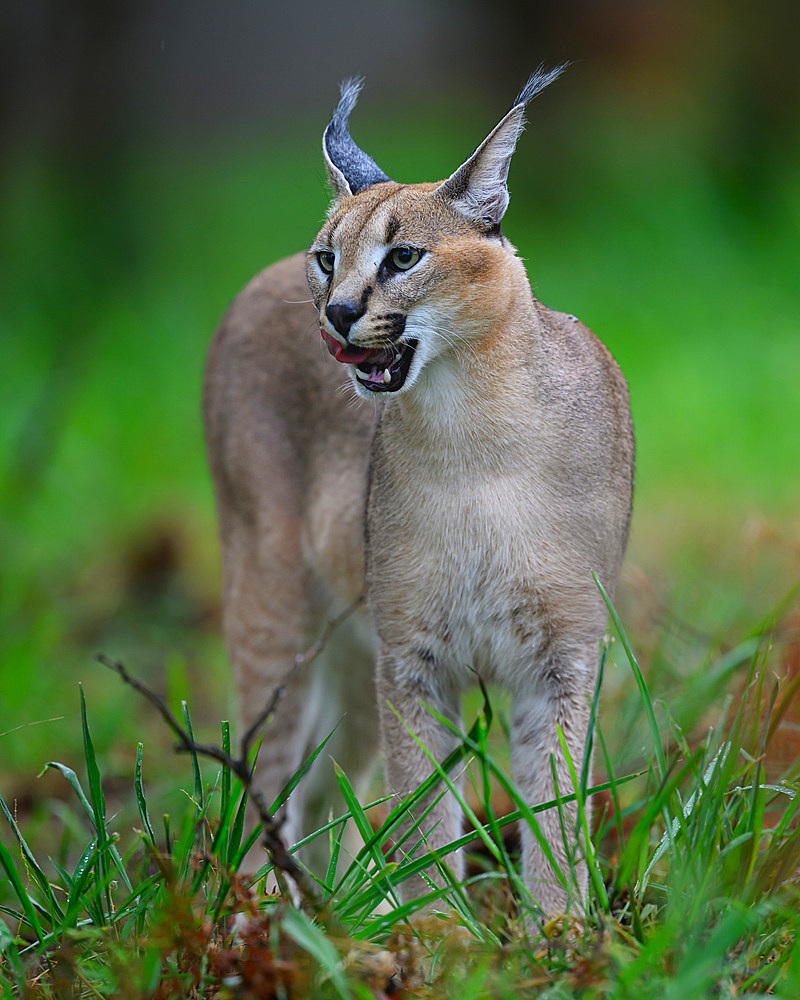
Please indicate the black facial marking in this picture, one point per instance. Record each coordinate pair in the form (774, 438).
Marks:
(392, 229)
(391, 324)
(333, 229)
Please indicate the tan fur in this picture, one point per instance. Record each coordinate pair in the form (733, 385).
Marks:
(494, 481)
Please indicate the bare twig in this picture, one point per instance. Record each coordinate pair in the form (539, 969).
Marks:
(273, 842)
(270, 826)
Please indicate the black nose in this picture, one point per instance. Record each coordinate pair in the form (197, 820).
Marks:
(342, 315)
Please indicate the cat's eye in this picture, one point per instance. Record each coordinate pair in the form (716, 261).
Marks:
(403, 258)
(326, 260)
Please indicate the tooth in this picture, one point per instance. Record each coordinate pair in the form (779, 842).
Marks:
(387, 378)
(364, 376)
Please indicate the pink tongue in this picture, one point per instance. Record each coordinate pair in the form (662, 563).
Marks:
(351, 355)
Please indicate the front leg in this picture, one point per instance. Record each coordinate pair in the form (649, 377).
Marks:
(405, 681)
(561, 698)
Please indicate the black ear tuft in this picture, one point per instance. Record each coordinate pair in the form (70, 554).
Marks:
(349, 167)
(537, 81)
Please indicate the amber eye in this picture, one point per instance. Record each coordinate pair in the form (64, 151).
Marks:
(326, 260)
(404, 258)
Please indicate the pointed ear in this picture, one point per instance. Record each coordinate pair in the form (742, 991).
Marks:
(349, 168)
(478, 188)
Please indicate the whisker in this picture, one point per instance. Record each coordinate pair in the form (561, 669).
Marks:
(452, 338)
(349, 390)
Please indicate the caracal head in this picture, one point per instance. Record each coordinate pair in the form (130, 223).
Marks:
(405, 276)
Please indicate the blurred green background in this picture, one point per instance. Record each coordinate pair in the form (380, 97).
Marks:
(156, 157)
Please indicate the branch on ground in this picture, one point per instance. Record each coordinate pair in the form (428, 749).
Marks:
(275, 846)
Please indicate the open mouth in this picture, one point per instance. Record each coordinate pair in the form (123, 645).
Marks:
(379, 369)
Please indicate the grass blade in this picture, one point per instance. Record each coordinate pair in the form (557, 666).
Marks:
(7, 861)
(644, 692)
(96, 796)
(335, 836)
(226, 777)
(168, 845)
(98, 801)
(586, 765)
(74, 782)
(8, 948)
(107, 849)
(299, 774)
(239, 848)
(141, 801)
(583, 824)
(199, 798)
(359, 817)
(32, 865)
(314, 941)
(674, 828)
(77, 899)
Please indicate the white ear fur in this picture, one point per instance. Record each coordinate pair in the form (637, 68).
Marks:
(337, 178)
(478, 188)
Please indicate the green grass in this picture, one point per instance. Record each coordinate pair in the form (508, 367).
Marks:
(693, 880)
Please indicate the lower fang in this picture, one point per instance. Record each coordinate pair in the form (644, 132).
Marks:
(387, 378)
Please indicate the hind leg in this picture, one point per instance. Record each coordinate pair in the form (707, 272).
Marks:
(273, 610)
(343, 694)
(267, 618)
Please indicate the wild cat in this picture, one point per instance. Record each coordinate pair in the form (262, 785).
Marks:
(484, 473)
